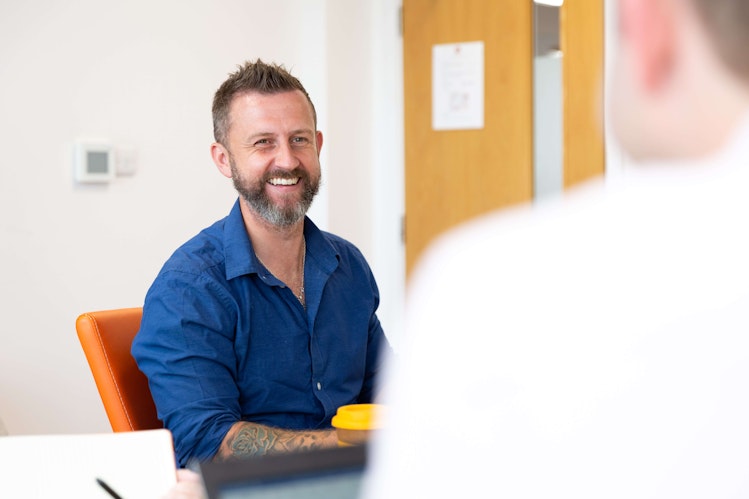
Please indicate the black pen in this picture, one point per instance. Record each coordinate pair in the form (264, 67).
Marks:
(109, 490)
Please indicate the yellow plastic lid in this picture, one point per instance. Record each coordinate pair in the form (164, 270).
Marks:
(358, 417)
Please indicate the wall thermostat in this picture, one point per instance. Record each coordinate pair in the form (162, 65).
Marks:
(94, 162)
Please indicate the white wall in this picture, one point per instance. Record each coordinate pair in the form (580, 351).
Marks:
(142, 74)
(616, 162)
(365, 141)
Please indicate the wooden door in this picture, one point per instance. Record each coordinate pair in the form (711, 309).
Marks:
(581, 39)
(452, 176)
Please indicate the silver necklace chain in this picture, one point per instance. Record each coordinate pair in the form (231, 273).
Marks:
(299, 296)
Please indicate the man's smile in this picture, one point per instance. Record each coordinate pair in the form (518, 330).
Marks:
(283, 181)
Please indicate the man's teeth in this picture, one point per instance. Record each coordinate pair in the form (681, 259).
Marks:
(283, 181)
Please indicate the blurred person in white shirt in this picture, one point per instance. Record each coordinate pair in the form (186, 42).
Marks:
(598, 345)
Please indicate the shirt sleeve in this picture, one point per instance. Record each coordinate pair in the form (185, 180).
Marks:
(378, 349)
(185, 348)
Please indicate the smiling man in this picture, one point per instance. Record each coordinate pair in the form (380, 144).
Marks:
(257, 329)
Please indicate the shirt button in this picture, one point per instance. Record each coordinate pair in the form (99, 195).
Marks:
(319, 386)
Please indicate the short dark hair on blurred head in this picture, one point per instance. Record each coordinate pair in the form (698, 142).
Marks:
(727, 23)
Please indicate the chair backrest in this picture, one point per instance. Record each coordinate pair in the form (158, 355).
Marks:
(106, 337)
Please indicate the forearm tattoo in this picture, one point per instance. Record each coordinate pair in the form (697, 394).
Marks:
(250, 439)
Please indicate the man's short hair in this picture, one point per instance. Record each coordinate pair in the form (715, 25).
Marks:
(252, 77)
(727, 23)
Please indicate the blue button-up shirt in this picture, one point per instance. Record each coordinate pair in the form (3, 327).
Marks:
(223, 340)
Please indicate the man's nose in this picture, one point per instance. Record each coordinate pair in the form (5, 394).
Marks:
(285, 157)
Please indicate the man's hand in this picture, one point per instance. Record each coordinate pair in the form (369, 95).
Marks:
(189, 486)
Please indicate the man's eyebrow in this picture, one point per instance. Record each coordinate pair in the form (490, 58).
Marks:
(303, 131)
(261, 134)
(265, 135)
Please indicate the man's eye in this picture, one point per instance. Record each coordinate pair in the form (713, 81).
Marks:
(262, 142)
(299, 140)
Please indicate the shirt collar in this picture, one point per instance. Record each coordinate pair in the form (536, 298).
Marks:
(240, 256)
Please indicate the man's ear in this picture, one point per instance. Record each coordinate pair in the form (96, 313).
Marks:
(318, 139)
(221, 158)
(648, 27)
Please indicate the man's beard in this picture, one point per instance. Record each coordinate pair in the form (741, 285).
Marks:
(280, 216)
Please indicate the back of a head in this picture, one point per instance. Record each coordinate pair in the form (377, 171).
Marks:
(727, 24)
(256, 76)
(681, 80)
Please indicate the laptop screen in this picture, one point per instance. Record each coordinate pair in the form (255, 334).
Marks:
(326, 473)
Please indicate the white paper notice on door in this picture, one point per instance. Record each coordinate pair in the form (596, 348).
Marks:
(458, 86)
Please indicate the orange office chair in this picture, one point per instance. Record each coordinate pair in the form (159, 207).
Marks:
(106, 337)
